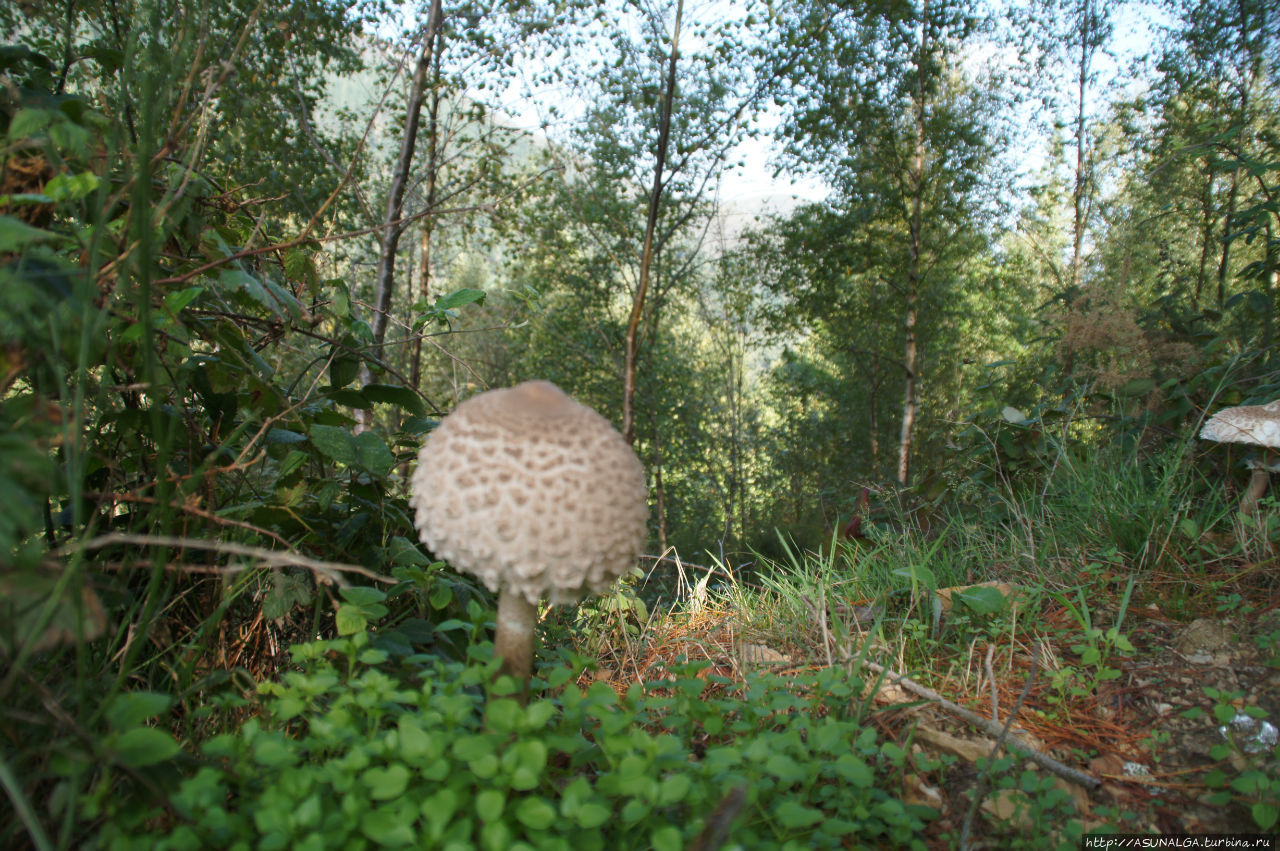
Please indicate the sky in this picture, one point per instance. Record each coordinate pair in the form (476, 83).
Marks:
(752, 187)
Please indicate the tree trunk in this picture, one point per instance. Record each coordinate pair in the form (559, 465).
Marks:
(651, 226)
(1224, 261)
(909, 392)
(659, 493)
(1206, 231)
(392, 229)
(914, 269)
(1079, 192)
(429, 223)
(873, 419)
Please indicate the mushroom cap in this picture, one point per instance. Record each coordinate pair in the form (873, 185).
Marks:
(1255, 424)
(528, 490)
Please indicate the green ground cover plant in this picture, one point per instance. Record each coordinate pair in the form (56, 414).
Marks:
(368, 745)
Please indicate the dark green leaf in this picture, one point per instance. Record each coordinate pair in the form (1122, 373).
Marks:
(394, 395)
(143, 746)
(336, 443)
(131, 708)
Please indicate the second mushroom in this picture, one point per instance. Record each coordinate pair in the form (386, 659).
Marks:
(537, 496)
(1254, 425)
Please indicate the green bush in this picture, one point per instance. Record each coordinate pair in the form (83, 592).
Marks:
(367, 744)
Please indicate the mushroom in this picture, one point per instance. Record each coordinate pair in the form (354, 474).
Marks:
(534, 494)
(1257, 425)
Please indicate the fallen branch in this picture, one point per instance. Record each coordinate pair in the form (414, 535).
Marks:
(326, 571)
(1046, 762)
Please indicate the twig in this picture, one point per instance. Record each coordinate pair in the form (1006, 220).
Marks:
(1046, 762)
(328, 571)
(720, 820)
(980, 790)
(991, 681)
(186, 509)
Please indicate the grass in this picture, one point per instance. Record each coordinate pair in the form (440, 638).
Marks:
(1083, 573)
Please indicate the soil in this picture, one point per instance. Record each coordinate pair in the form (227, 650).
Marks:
(1151, 736)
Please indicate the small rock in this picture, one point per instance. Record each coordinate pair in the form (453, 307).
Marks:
(760, 654)
(1203, 637)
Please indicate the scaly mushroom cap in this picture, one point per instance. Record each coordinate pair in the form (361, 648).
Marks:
(1255, 424)
(526, 489)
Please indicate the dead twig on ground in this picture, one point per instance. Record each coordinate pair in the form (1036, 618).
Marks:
(1016, 744)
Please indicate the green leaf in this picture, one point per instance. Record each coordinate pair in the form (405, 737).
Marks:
(28, 122)
(535, 813)
(70, 137)
(401, 551)
(143, 746)
(794, 815)
(489, 804)
(785, 769)
(386, 783)
(15, 234)
(239, 280)
(853, 770)
(287, 590)
(273, 750)
(459, 298)
(349, 620)
(982, 600)
(131, 708)
(1265, 815)
(292, 462)
(666, 838)
(468, 748)
(174, 302)
(918, 573)
(415, 741)
(284, 435)
(527, 760)
(71, 187)
(350, 398)
(363, 595)
(389, 826)
(673, 789)
(392, 394)
(373, 455)
(343, 370)
(485, 766)
(592, 815)
(501, 716)
(337, 443)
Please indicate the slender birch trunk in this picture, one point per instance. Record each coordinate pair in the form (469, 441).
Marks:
(429, 223)
(647, 252)
(915, 268)
(384, 278)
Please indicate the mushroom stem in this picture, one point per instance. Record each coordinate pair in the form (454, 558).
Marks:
(1257, 487)
(513, 640)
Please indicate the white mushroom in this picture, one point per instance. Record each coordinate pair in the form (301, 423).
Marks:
(537, 496)
(1256, 425)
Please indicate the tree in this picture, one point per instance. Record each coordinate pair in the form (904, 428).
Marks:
(883, 111)
(618, 239)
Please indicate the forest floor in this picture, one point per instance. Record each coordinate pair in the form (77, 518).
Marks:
(1146, 725)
